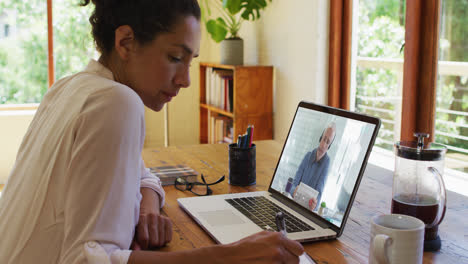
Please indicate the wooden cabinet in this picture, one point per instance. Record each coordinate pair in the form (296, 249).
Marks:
(252, 101)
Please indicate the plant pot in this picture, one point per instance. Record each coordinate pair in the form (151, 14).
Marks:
(232, 51)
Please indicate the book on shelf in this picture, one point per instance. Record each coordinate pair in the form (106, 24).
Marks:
(228, 92)
(211, 130)
(220, 129)
(219, 88)
(208, 84)
(168, 174)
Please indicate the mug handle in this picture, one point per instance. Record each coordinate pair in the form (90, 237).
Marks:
(380, 247)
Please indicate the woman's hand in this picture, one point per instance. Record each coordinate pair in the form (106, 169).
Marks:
(264, 247)
(153, 229)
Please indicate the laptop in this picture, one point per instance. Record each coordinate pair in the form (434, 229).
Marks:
(314, 184)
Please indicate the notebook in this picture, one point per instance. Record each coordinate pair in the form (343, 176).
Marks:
(326, 149)
(168, 174)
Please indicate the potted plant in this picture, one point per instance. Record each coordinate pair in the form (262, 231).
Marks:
(225, 28)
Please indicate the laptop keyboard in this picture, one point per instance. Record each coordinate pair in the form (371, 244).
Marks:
(263, 212)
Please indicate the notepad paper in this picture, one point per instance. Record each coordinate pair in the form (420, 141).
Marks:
(305, 259)
(168, 174)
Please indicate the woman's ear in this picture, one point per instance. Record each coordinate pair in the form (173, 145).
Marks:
(124, 41)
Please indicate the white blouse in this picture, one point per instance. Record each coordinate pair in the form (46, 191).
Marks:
(73, 195)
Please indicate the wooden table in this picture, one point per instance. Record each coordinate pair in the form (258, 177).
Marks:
(374, 197)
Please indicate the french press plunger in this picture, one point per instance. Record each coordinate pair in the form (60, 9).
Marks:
(418, 187)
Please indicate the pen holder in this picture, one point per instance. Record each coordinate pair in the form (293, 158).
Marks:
(242, 168)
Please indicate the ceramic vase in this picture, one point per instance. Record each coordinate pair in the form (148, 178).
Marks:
(232, 51)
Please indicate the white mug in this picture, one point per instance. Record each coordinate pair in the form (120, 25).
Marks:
(396, 238)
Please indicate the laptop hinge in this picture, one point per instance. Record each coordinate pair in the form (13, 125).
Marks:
(304, 212)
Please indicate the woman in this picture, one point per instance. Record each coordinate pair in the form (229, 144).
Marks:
(79, 192)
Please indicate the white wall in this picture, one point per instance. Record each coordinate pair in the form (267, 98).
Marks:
(292, 36)
(13, 127)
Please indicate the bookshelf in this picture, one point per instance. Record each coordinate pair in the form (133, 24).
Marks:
(248, 99)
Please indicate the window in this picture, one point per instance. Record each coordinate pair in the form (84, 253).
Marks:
(24, 66)
(377, 80)
(23, 54)
(452, 84)
(73, 42)
(411, 71)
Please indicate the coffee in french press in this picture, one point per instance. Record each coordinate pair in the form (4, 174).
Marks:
(418, 187)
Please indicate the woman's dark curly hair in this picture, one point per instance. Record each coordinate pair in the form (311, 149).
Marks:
(147, 18)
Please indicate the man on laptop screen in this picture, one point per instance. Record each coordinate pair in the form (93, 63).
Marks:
(313, 170)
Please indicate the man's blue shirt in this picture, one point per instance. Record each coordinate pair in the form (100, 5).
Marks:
(313, 173)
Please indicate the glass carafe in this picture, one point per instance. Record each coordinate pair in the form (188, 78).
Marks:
(418, 187)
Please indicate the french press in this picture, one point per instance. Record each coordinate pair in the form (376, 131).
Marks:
(418, 187)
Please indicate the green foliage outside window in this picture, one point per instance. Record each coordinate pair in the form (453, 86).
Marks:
(23, 56)
(452, 91)
(381, 35)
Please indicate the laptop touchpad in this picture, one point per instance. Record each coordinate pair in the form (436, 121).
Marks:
(221, 218)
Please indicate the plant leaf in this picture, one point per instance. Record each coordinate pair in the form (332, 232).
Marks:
(233, 6)
(251, 8)
(217, 29)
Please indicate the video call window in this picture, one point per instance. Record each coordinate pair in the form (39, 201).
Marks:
(321, 162)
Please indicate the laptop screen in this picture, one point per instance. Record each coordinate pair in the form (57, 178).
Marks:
(321, 161)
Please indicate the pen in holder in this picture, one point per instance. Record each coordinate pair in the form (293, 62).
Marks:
(242, 167)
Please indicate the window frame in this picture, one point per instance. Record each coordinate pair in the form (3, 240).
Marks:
(50, 43)
(339, 60)
(419, 70)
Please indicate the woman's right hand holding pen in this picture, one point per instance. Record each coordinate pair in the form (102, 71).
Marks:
(264, 247)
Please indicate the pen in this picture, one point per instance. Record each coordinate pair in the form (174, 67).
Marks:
(248, 136)
(280, 223)
(245, 141)
(251, 135)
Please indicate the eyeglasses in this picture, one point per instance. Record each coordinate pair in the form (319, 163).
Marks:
(198, 188)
